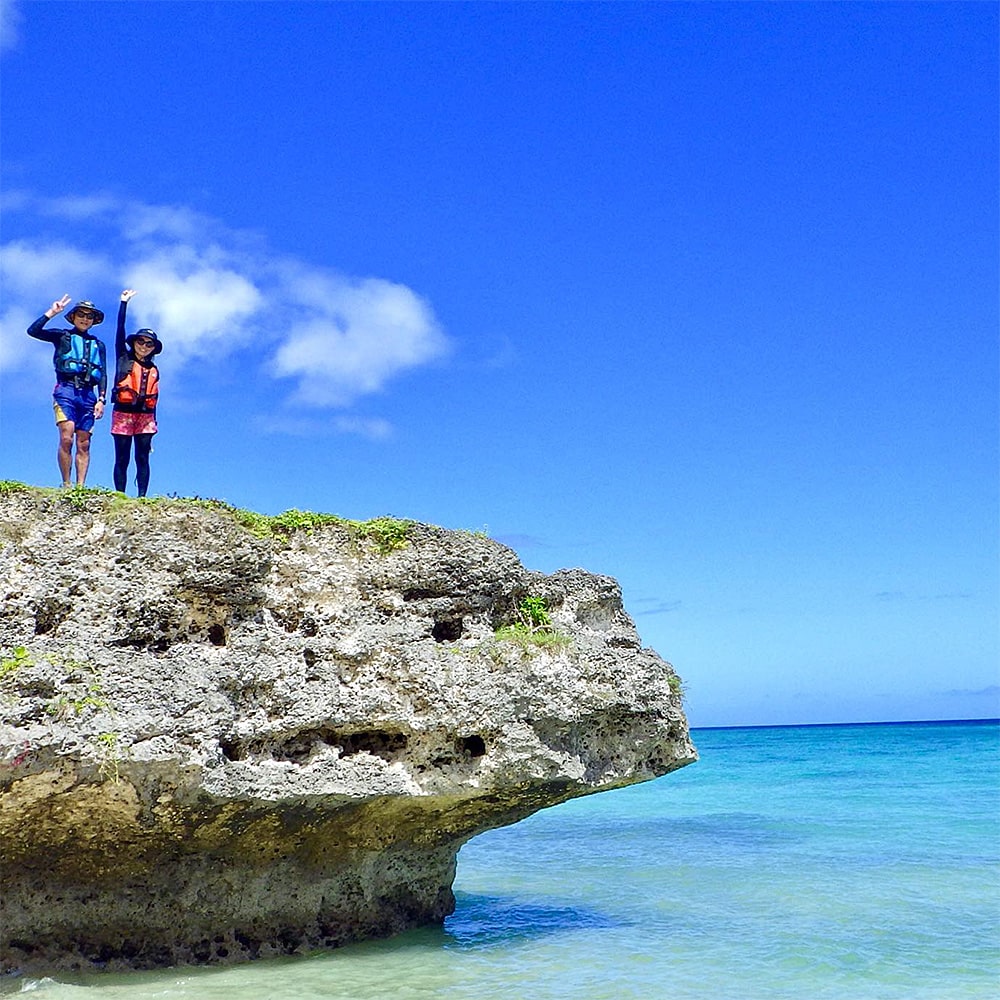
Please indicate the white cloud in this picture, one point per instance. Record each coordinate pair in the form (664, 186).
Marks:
(47, 272)
(208, 290)
(201, 302)
(18, 352)
(371, 330)
(32, 278)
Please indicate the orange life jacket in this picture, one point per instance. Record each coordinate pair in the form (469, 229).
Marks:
(139, 390)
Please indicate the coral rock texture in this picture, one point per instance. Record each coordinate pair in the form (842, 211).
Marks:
(219, 742)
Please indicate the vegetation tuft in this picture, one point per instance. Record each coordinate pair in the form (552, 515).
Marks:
(71, 704)
(387, 533)
(676, 686)
(535, 614)
(384, 534)
(526, 639)
(110, 756)
(18, 657)
(533, 628)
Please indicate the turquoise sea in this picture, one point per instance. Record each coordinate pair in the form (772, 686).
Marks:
(856, 862)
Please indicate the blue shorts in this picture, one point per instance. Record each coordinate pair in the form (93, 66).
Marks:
(70, 403)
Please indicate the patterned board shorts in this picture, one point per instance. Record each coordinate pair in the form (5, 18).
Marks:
(130, 424)
(77, 405)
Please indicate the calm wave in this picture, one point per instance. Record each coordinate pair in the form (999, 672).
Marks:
(849, 862)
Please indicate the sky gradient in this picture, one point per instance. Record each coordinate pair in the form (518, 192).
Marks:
(700, 296)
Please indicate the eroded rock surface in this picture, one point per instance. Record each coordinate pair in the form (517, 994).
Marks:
(216, 746)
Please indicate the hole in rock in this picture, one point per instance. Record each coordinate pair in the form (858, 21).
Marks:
(231, 750)
(217, 635)
(420, 594)
(309, 656)
(447, 631)
(250, 945)
(374, 741)
(474, 746)
(48, 614)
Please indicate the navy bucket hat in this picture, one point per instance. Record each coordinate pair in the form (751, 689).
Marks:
(157, 346)
(90, 307)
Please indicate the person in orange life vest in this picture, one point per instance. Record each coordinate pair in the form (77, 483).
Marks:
(135, 394)
(81, 368)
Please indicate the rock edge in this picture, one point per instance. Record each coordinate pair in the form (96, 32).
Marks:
(216, 746)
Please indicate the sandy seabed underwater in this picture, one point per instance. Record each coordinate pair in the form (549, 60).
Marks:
(855, 862)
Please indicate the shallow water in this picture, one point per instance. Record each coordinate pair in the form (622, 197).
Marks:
(847, 862)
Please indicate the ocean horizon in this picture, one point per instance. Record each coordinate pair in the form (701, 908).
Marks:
(892, 722)
(849, 861)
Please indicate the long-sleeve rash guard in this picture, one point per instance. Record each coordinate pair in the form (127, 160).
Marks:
(64, 348)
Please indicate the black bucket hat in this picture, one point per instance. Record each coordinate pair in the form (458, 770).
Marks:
(144, 332)
(86, 304)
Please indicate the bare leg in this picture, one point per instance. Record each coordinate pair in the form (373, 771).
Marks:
(65, 454)
(82, 456)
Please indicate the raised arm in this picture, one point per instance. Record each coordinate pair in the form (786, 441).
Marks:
(36, 331)
(120, 347)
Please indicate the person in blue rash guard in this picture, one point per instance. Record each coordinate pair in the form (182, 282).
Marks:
(81, 364)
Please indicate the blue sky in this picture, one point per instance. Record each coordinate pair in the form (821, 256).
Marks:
(700, 296)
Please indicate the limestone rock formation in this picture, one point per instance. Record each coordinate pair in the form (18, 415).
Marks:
(223, 736)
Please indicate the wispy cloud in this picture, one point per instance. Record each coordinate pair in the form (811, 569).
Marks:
(519, 542)
(136, 221)
(10, 25)
(990, 691)
(24, 267)
(372, 428)
(209, 291)
(899, 595)
(655, 606)
(376, 429)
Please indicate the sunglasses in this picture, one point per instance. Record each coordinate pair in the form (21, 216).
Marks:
(144, 342)
(84, 314)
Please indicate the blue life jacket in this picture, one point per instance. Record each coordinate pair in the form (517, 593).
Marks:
(78, 355)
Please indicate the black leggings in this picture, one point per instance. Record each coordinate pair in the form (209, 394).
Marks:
(123, 446)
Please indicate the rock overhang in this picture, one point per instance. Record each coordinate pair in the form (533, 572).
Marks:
(311, 715)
